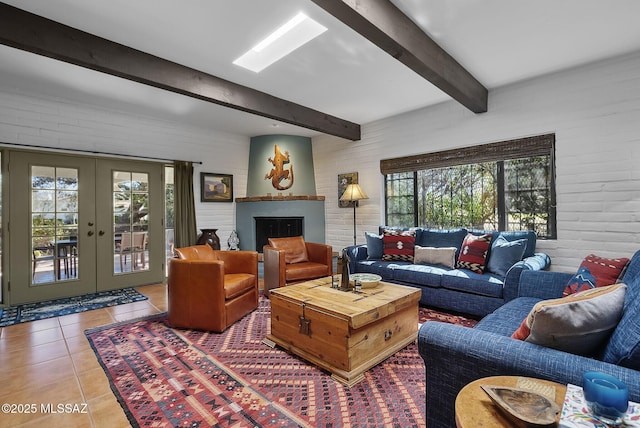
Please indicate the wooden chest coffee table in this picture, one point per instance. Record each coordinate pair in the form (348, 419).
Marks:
(341, 331)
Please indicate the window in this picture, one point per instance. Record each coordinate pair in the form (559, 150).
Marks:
(400, 191)
(500, 186)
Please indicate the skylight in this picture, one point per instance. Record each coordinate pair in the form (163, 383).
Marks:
(289, 37)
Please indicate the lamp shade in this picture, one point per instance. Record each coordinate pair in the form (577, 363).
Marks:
(353, 192)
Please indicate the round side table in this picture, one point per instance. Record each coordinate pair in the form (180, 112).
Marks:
(474, 408)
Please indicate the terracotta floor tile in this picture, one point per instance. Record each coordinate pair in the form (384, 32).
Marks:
(89, 319)
(65, 419)
(78, 329)
(29, 327)
(129, 307)
(19, 357)
(107, 412)
(78, 344)
(85, 360)
(20, 378)
(29, 339)
(94, 383)
(126, 316)
(50, 362)
(51, 394)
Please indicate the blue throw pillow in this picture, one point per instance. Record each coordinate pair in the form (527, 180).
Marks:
(375, 247)
(522, 234)
(441, 238)
(505, 254)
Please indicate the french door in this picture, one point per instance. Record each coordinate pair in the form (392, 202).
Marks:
(80, 225)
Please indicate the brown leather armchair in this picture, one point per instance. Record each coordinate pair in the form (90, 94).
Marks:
(209, 289)
(290, 260)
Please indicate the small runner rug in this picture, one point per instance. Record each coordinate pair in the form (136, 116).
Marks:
(166, 377)
(71, 305)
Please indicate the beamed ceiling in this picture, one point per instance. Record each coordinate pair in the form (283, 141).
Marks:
(173, 60)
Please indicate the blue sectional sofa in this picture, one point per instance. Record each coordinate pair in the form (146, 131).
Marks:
(457, 290)
(456, 355)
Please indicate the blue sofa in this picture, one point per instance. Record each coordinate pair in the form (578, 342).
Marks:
(457, 290)
(456, 355)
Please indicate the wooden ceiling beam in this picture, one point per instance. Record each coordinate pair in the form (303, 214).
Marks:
(29, 32)
(382, 23)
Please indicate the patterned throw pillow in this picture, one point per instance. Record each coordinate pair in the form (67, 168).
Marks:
(601, 270)
(473, 254)
(581, 281)
(578, 323)
(398, 245)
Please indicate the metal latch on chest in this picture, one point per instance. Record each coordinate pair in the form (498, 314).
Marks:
(304, 324)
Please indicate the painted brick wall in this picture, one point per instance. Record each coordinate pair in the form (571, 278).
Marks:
(594, 111)
(36, 120)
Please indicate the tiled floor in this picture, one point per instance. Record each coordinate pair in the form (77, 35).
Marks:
(47, 363)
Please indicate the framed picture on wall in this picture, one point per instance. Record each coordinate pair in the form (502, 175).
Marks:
(216, 187)
(343, 181)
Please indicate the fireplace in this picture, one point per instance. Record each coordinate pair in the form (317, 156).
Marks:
(277, 227)
(308, 209)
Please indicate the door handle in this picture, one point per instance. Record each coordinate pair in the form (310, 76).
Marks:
(90, 233)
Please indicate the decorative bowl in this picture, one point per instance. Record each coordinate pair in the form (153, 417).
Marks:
(367, 280)
(521, 405)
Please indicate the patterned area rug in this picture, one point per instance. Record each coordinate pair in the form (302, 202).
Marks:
(71, 305)
(166, 377)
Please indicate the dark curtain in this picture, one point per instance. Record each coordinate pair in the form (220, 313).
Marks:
(185, 210)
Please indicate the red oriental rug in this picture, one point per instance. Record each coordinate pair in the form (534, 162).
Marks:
(165, 377)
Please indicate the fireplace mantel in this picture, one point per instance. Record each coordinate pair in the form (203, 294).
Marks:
(281, 198)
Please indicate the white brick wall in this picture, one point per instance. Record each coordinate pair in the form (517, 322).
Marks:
(36, 120)
(594, 111)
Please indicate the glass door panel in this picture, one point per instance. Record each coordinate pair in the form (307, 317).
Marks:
(130, 221)
(54, 225)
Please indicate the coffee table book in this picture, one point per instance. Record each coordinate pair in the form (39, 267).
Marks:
(343, 332)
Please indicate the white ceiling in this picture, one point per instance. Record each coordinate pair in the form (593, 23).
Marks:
(339, 73)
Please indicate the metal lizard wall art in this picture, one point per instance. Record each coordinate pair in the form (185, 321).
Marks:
(278, 173)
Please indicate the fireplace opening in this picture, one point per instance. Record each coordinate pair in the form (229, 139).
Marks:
(276, 227)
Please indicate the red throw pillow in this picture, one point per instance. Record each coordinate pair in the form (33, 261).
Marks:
(603, 271)
(523, 331)
(398, 245)
(473, 254)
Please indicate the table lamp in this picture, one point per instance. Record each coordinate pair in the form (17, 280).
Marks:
(353, 193)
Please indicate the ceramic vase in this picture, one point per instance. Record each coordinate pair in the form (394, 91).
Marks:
(233, 242)
(209, 237)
